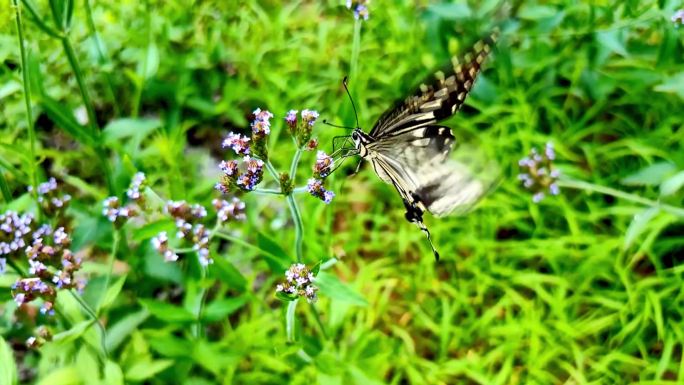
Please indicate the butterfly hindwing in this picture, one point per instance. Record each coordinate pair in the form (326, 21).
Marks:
(437, 98)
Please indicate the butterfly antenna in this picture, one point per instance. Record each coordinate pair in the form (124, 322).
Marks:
(344, 83)
(336, 126)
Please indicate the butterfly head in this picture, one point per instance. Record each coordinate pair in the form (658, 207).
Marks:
(361, 140)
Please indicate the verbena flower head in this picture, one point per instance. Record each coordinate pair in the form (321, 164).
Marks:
(236, 142)
(323, 165)
(161, 244)
(137, 184)
(360, 8)
(233, 210)
(49, 198)
(298, 283)
(538, 174)
(291, 121)
(311, 145)
(315, 188)
(52, 267)
(261, 126)
(301, 128)
(15, 235)
(678, 18)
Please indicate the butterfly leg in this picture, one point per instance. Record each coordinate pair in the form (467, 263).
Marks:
(415, 215)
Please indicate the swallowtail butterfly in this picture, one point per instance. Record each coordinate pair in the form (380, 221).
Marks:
(408, 149)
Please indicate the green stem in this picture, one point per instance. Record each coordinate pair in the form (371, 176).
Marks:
(290, 320)
(27, 99)
(16, 267)
(319, 321)
(267, 191)
(102, 58)
(87, 101)
(197, 332)
(580, 185)
(299, 228)
(4, 187)
(91, 313)
(272, 170)
(110, 268)
(295, 163)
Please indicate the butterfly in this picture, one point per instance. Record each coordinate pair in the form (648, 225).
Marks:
(408, 149)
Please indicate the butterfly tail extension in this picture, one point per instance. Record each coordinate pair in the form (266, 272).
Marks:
(415, 215)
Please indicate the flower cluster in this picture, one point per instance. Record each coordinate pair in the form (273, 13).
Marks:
(321, 169)
(298, 283)
(49, 198)
(226, 211)
(52, 266)
(323, 165)
(235, 179)
(678, 18)
(246, 175)
(15, 235)
(538, 173)
(115, 213)
(238, 143)
(188, 228)
(315, 188)
(301, 128)
(360, 8)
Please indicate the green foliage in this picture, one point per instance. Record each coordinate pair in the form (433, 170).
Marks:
(581, 288)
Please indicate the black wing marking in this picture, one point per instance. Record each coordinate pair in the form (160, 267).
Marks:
(419, 163)
(438, 97)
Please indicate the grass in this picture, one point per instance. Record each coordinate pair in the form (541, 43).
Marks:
(581, 288)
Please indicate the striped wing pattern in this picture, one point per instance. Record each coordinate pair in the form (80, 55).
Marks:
(411, 152)
(437, 98)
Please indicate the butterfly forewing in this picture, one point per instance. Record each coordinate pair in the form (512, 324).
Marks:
(438, 97)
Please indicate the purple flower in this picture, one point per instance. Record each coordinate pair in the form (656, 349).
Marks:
(3, 265)
(291, 119)
(261, 126)
(229, 210)
(133, 191)
(323, 165)
(309, 117)
(316, 189)
(678, 17)
(538, 173)
(299, 282)
(238, 143)
(360, 8)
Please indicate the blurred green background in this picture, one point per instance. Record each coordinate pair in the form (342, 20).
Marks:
(567, 291)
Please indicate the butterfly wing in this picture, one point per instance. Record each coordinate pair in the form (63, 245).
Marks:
(437, 98)
(419, 165)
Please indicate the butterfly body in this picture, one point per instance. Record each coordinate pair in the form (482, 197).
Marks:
(408, 149)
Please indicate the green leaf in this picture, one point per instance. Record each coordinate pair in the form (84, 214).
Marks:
(113, 374)
(135, 129)
(638, 225)
(285, 297)
(8, 368)
(221, 308)
(74, 333)
(122, 329)
(673, 84)
(87, 363)
(167, 312)
(65, 120)
(651, 175)
(450, 11)
(276, 258)
(36, 18)
(153, 229)
(332, 287)
(62, 376)
(228, 274)
(672, 184)
(112, 292)
(143, 370)
(613, 40)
